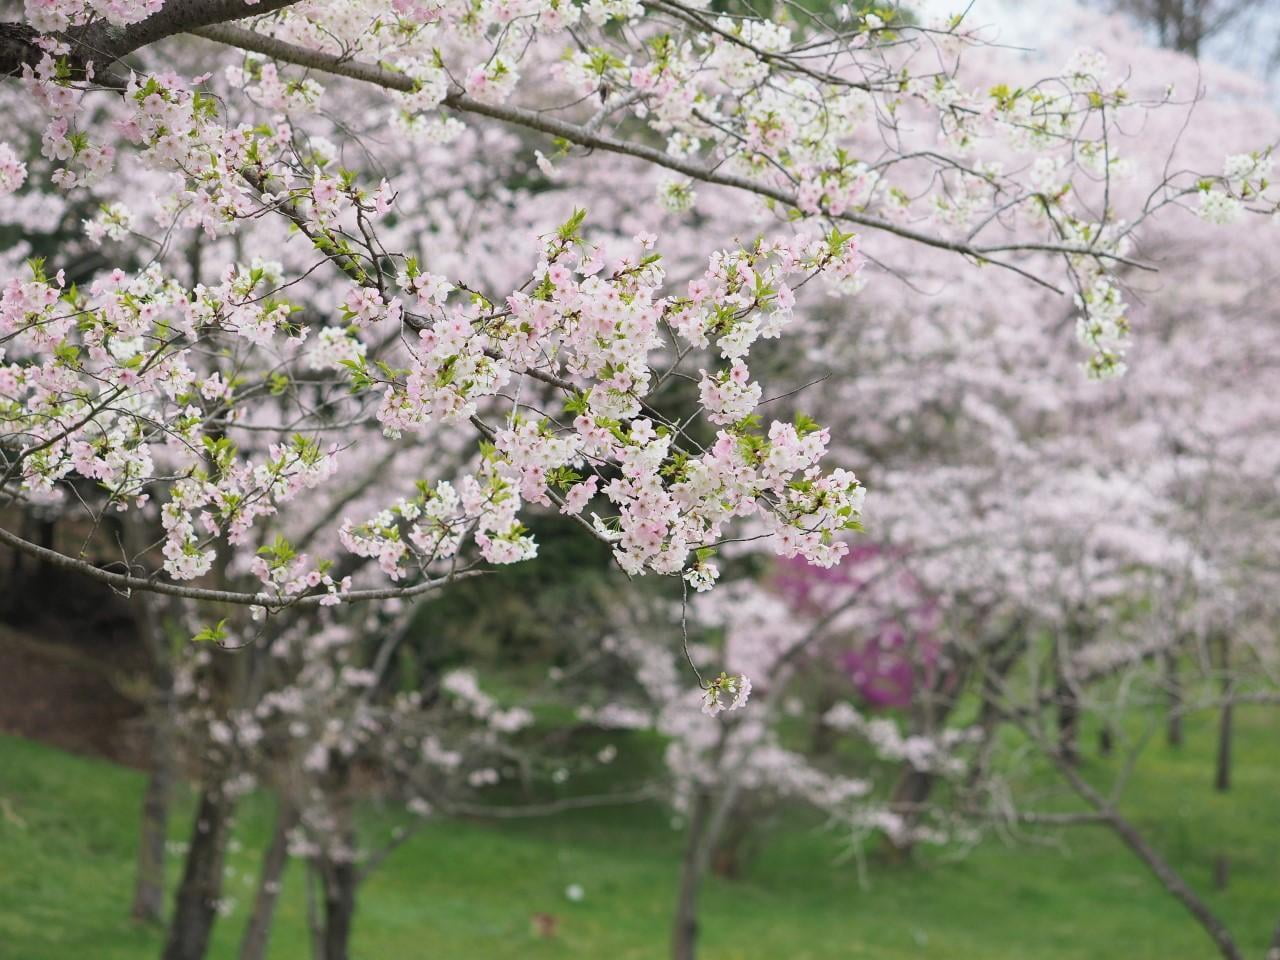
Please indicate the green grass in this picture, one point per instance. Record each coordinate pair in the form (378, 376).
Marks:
(466, 891)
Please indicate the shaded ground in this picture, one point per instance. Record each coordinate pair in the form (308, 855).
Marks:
(70, 662)
(60, 695)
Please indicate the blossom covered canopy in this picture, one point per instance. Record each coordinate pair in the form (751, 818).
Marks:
(236, 401)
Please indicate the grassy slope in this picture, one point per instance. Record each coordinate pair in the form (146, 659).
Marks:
(460, 891)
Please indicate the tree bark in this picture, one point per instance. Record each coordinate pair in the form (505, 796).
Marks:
(257, 933)
(196, 903)
(104, 44)
(340, 879)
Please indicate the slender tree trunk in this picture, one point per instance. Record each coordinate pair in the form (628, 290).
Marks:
(340, 880)
(1173, 683)
(1222, 766)
(258, 931)
(196, 904)
(1273, 952)
(684, 933)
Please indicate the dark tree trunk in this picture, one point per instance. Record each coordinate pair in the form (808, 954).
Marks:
(1222, 766)
(257, 933)
(1222, 774)
(339, 908)
(1173, 683)
(1068, 724)
(1106, 740)
(684, 932)
(196, 904)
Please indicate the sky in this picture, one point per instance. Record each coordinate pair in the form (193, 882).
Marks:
(1249, 44)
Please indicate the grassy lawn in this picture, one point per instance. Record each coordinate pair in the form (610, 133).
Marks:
(466, 891)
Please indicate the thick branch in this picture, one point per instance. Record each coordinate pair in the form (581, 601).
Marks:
(103, 44)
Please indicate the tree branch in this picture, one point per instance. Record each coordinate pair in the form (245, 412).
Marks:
(583, 137)
(103, 43)
(1169, 878)
(127, 582)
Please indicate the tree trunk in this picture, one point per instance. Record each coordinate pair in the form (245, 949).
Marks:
(1106, 740)
(1222, 771)
(196, 904)
(1173, 683)
(684, 933)
(258, 932)
(339, 907)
